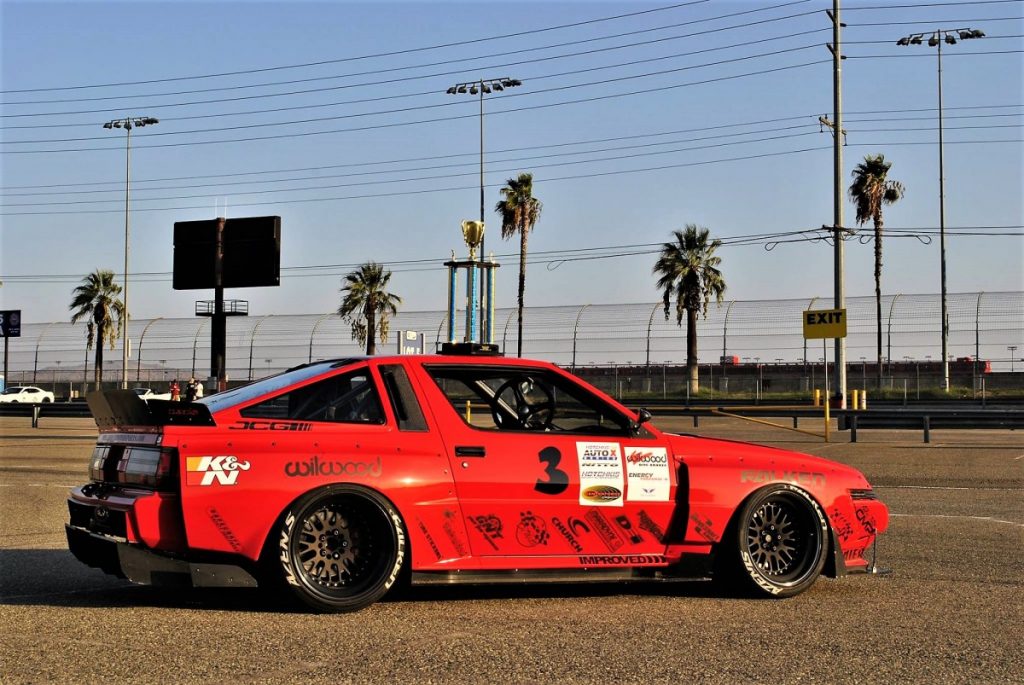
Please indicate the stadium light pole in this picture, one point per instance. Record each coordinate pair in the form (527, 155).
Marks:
(482, 86)
(935, 40)
(128, 123)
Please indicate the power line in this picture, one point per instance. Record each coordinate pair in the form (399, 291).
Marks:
(420, 77)
(463, 43)
(393, 53)
(443, 119)
(552, 179)
(530, 50)
(498, 170)
(474, 154)
(572, 254)
(456, 117)
(448, 103)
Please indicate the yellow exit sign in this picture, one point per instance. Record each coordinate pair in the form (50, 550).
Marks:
(825, 323)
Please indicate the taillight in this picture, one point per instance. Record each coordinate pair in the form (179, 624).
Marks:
(150, 467)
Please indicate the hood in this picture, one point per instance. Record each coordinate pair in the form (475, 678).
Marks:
(770, 463)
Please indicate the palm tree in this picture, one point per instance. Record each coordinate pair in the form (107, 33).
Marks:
(689, 268)
(869, 191)
(519, 212)
(96, 301)
(368, 306)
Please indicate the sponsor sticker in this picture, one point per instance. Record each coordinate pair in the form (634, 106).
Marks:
(489, 526)
(223, 529)
(532, 530)
(319, 467)
(622, 560)
(602, 481)
(647, 472)
(208, 470)
(609, 536)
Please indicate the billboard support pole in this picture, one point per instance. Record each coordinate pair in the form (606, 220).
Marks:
(218, 332)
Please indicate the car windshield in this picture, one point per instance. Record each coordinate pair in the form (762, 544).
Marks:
(141, 391)
(264, 386)
(13, 391)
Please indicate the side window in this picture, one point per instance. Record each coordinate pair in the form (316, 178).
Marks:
(403, 398)
(523, 399)
(346, 398)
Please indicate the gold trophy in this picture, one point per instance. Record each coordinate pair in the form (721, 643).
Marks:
(473, 234)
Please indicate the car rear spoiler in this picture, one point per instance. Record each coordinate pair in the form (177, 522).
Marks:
(118, 408)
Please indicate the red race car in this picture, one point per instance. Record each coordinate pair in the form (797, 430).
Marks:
(335, 479)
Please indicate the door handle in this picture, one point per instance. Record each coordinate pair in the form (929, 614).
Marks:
(470, 451)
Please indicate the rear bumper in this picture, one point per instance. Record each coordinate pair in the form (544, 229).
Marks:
(144, 566)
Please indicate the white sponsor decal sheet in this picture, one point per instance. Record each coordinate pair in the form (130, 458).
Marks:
(601, 475)
(647, 474)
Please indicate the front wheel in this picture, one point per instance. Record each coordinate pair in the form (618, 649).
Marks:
(340, 548)
(778, 543)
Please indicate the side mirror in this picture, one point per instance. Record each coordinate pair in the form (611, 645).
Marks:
(643, 416)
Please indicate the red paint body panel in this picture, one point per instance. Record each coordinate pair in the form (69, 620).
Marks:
(478, 499)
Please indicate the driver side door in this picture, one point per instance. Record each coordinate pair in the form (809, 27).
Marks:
(541, 470)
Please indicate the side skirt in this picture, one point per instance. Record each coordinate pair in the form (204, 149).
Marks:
(691, 567)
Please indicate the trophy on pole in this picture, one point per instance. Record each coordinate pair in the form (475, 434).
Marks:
(479, 335)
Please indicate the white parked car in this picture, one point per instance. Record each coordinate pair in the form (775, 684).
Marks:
(25, 394)
(148, 394)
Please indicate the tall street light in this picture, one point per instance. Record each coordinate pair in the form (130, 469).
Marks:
(128, 123)
(935, 40)
(482, 86)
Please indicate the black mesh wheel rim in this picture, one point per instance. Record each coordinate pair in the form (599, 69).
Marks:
(342, 547)
(782, 539)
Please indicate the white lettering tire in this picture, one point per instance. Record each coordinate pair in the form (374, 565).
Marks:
(777, 544)
(340, 548)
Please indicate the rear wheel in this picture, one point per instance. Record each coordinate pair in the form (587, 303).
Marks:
(777, 545)
(340, 548)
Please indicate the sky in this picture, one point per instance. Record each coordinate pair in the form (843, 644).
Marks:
(636, 119)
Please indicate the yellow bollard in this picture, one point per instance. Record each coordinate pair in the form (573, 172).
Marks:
(864, 399)
(827, 420)
(817, 397)
(856, 399)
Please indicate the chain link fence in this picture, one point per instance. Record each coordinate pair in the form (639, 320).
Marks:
(623, 347)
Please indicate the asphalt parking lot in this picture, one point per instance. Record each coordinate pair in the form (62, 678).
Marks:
(949, 611)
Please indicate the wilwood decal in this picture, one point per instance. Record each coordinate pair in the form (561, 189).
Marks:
(647, 474)
(316, 467)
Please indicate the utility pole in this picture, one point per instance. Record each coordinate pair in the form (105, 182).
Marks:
(838, 135)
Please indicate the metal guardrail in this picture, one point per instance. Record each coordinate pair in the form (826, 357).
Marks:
(923, 418)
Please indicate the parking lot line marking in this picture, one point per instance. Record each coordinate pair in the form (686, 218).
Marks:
(954, 516)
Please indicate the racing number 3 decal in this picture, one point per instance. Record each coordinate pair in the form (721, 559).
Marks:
(558, 480)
